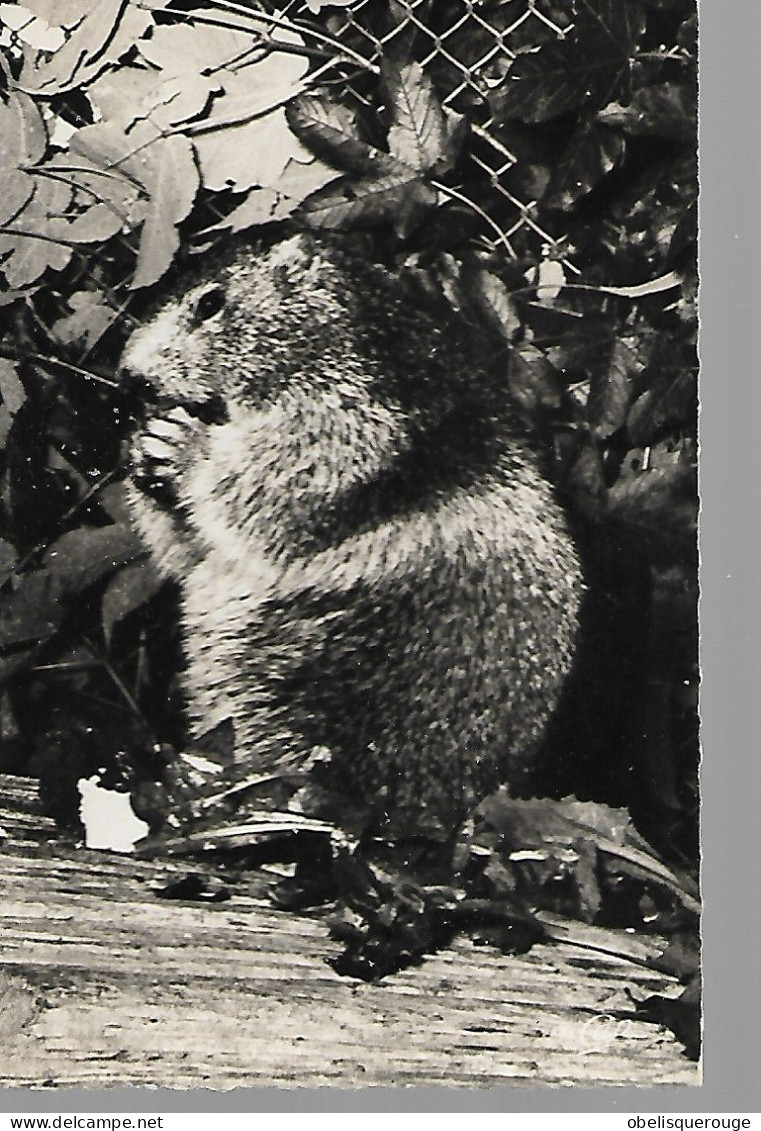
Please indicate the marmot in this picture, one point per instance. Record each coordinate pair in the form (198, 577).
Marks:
(370, 558)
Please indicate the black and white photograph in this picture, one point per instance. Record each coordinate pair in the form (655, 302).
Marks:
(349, 729)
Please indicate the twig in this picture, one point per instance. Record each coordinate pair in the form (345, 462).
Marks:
(455, 195)
(16, 353)
(121, 686)
(69, 514)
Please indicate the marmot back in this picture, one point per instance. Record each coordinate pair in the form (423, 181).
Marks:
(370, 558)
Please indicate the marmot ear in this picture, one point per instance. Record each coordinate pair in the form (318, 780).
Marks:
(300, 250)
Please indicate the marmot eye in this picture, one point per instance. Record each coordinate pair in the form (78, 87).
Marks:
(209, 304)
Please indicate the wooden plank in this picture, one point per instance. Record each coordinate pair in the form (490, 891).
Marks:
(102, 983)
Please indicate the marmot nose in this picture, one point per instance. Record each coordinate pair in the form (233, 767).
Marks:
(211, 411)
(136, 385)
(138, 396)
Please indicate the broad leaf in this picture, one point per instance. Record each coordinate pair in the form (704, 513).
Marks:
(592, 152)
(666, 405)
(657, 111)
(386, 186)
(32, 611)
(127, 590)
(78, 559)
(611, 393)
(241, 156)
(26, 255)
(99, 168)
(60, 13)
(22, 144)
(129, 94)
(533, 382)
(418, 131)
(256, 88)
(265, 204)
(330, 131)
(108, 30)
(12, 396)
(586, 482)
(495, 303)
(540, 85)
(587, 67)
(89, 319)
(658, 505)
(172, 179)
(397, 195)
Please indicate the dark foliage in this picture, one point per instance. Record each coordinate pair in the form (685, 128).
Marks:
(137, 133)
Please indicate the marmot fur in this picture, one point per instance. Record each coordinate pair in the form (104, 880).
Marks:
(369, 556)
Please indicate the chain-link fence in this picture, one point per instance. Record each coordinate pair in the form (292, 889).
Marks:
(466, 48)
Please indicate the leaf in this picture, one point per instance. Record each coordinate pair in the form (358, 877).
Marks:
(495, 303)
(329, 129)
(611, 393)
(27, 256)
(60, 13)
(671, 403)
(574, 838)
(127, 590)
(586, 482)
(617, 23)
(298, 180)
(78, 559)
(22, 144)
(242, 156)
(99, 167)
(667, 110)
(532, 380)
(95, 225)
(386, 186)
(658, 504)
(171, 176)
(32, 611)
(89, 319)
(418, 131)
(129, 94)
(399, 196)
(583, 351)
(33, 31)
(259, 207)
(107, 31)
(588, 66)
(194, 50)
(262, 85)
(540, 85)
(263, 205)
(243, 140)
(12, 396)
(591, 154)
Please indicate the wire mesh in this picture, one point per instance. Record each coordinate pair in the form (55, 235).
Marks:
(466, 48)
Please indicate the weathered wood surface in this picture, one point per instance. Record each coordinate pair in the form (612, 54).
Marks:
(102, 983)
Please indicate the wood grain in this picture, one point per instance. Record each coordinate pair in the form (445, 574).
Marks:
(104, 984)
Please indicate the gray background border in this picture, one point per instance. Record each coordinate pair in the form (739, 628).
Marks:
(730, 249)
